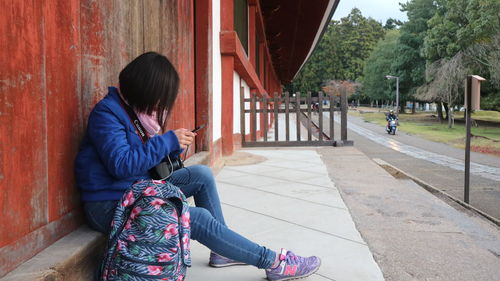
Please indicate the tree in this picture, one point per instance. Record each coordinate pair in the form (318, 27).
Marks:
(378, 64)
(357, 38)
(462, 39)
(341, 53)
(391, 23)
(335, 87)
(447, 80)
(408, 62)
(460, 24)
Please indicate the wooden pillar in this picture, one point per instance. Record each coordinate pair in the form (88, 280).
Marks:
(343, 115)
(227, 24)
(203, 74)
(252, 29)
(252, 52)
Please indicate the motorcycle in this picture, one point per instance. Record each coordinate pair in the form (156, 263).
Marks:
(391, 126)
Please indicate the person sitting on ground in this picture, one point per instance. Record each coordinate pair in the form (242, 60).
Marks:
(112, 157)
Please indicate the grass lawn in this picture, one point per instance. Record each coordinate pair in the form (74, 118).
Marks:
(485, 139)
(482, 115)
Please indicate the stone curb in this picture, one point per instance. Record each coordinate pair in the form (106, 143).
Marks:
(73, 257)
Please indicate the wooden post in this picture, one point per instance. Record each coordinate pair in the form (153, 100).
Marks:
(332, 105)
(343, 115)
(468, 112)
(320, 112)
(253, 117)
(297, 110)
(242, 115)
(308, 101)
(275, 101)
(264, 110)
(287, 118)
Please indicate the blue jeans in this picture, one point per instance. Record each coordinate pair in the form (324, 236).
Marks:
(207, 222)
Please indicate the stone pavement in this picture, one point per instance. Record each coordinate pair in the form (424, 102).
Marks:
(292, 129)
(289, 201)
(365, 224)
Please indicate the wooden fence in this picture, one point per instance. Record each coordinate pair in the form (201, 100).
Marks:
(307, 127)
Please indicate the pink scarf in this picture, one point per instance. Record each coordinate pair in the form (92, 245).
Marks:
(150, 122)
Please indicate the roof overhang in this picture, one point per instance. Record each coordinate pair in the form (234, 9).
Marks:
(293, 29)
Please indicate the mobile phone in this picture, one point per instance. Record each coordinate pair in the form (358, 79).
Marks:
(198, 128)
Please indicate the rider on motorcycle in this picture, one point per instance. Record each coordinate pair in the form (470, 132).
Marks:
(391, 116)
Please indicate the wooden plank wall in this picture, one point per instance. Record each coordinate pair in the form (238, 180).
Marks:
(56, 60)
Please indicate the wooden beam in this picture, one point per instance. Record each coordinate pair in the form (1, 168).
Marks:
(230, 45)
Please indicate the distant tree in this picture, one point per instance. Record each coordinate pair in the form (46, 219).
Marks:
(463, 38)
(357, 37)
(335, 87)
(391, 23)
(378, 64)
(342, 52)
(447, 81)
(408, 62)
(459, 24)
(442, 41)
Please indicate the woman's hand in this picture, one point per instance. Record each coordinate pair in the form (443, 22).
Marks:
(185, 137)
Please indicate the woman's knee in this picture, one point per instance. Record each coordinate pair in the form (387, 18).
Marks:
(198, 214)
(202, 173)
(202, 222)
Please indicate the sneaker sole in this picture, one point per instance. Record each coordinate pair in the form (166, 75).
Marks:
(299, 277)
(226, 264)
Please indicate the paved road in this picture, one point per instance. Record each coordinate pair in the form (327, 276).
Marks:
(412, 234)
(436, 163)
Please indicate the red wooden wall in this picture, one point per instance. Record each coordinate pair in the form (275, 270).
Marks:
(56, 60)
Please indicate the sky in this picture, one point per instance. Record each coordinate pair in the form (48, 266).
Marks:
(380, 10)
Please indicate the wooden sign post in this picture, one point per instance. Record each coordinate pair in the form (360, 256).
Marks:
(472, 102)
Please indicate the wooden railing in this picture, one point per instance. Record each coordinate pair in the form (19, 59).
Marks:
(309, 117)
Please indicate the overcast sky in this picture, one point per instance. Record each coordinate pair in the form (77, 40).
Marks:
(380, 10)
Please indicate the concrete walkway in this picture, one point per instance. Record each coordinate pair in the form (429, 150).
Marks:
(289, 201)
(292, 129)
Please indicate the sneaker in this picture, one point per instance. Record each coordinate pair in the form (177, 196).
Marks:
(293, 267)
(217, 260)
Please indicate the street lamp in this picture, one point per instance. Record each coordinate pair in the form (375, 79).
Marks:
(397, 91)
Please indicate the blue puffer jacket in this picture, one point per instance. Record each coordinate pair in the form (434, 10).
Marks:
(112, 155)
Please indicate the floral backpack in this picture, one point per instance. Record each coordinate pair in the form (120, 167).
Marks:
(150, 234)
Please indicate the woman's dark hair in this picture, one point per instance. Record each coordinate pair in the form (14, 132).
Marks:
(150, 83)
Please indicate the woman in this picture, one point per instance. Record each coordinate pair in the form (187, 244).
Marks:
(113, 156)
